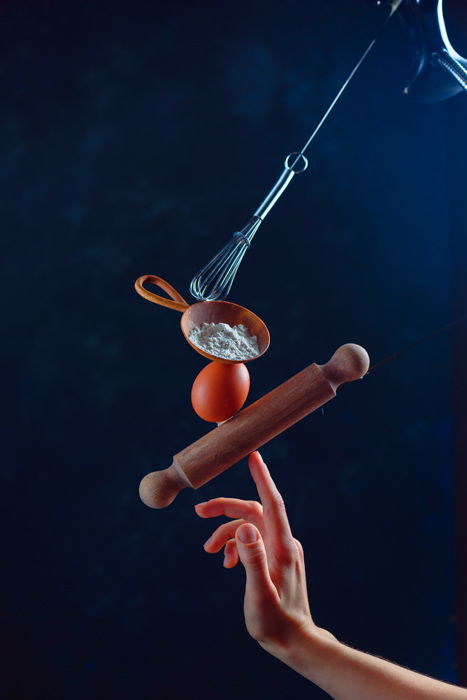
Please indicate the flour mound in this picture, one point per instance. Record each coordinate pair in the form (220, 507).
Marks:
(224, 341)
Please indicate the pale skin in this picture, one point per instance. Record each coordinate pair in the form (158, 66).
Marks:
(277, 612)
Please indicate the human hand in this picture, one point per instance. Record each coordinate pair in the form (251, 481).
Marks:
(276, 602)
(276, 607)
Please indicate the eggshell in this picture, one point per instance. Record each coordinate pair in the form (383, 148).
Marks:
(220, 390)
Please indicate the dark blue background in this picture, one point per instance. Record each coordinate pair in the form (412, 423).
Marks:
(135, 138)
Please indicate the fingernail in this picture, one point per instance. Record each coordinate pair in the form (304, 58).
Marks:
(247, 533)
(208, 542)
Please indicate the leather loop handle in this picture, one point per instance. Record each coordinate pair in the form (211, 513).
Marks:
(178, 303)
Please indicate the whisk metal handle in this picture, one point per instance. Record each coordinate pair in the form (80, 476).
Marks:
(286, 176)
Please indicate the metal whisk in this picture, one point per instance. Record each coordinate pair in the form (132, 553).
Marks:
(440, 73)
(215, 279)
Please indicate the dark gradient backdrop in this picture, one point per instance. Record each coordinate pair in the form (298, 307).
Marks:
(135, 137)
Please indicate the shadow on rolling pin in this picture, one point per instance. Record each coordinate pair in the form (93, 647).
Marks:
(254, 426)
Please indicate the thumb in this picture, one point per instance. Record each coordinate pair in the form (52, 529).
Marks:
(252, 554)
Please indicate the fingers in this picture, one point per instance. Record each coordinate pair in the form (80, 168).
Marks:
(222, 535)
(230, 554)
(274, 514)
(232, 508)
(251, 550)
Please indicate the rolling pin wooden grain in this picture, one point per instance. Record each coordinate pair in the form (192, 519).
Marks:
(254, 426)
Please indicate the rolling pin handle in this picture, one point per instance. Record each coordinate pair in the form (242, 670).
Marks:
(159, 489)
(349, 362)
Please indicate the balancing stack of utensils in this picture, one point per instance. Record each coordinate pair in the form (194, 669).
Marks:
(221, 388)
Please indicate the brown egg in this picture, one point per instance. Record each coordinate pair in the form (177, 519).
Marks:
(220, 390)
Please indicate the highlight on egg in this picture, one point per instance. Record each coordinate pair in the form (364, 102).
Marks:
(220, 390)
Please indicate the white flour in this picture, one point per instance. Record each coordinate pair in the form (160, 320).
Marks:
(227, 342)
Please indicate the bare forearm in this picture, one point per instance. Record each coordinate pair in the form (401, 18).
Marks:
(348, 674)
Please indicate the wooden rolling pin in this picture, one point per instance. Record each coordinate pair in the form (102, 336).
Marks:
(254, 426)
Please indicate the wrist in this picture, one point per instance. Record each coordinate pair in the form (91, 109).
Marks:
(310, 651)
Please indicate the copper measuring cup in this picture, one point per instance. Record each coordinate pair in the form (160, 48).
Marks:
(206, 312)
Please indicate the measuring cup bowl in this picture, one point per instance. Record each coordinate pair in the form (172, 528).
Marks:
(206, 312)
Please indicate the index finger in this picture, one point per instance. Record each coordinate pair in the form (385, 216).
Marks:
(274, 512)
